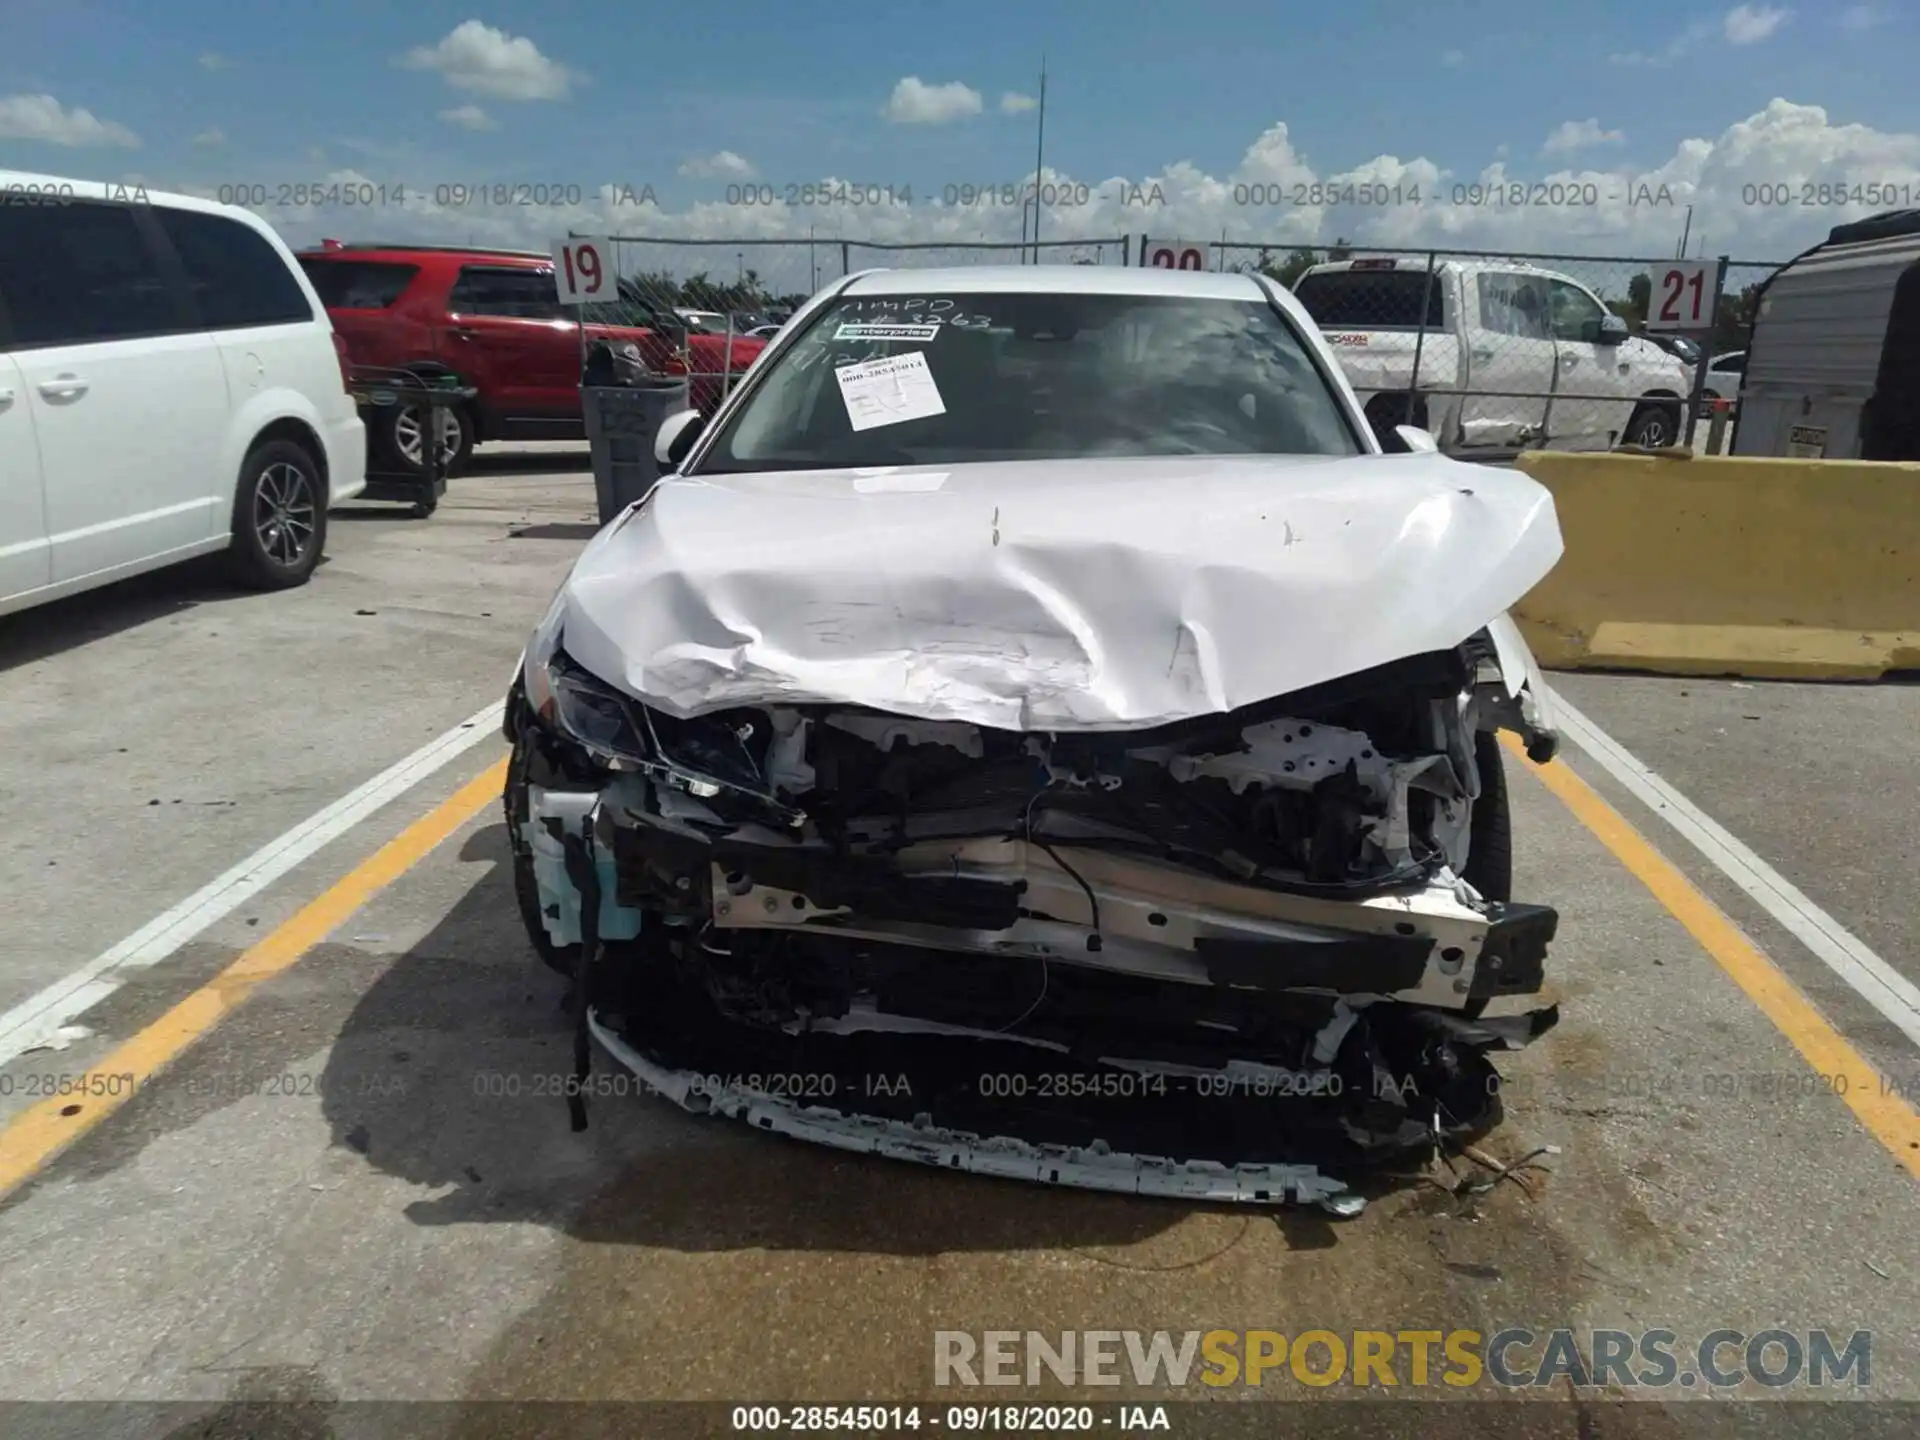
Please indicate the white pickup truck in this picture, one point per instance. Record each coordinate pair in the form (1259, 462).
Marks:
(1510, 355)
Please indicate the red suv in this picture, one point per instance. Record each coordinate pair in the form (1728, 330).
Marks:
(493, 318)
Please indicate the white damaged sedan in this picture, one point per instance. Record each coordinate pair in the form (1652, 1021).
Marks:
(1041, 730)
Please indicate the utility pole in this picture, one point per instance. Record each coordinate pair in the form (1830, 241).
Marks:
(1685, 232)
(1039, 156)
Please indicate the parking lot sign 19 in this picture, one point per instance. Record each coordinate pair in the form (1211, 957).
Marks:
(583, 270)
(1683, 295)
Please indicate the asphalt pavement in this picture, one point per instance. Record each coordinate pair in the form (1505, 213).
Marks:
(343, 1179)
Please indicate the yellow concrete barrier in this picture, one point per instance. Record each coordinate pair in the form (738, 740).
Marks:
(1713, 565)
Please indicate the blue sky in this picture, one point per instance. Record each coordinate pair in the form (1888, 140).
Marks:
(221, 92)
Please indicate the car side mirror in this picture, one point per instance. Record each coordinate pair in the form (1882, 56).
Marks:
(1610, 330)
(675, 438)
(1417, 441)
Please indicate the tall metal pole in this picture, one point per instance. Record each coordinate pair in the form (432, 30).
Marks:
(1039, 156)
(1685, 231)
(1705, 340)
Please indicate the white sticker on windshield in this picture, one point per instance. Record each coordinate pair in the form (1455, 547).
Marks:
(889, 391)
(887, 332)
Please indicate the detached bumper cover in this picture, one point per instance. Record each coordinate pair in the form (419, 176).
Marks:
(1004, 1157)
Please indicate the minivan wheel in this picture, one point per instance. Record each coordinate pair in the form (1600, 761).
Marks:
(279, 517)
(402, 428)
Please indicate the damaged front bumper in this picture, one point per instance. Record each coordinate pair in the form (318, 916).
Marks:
(934, 974)
(1094, 1167)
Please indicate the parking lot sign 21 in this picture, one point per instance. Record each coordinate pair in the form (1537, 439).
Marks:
(1683, 295)
(583, 270)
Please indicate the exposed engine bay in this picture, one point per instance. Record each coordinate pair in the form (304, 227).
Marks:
(1219, 957)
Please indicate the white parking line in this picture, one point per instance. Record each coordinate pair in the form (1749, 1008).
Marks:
(1844, 953)
(35, 1020)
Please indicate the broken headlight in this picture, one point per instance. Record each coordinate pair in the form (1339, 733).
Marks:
(704, 756)
(594, 715)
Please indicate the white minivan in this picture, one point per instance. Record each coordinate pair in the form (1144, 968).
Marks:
(170, 386)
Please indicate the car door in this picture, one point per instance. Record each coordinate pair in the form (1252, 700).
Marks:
(1594, 393)
(1725, 372)
(1511, 357)
(128, 399)
(268, 335)
(24, 562)
(508, 332)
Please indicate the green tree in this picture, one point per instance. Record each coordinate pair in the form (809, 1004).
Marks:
(700, 292)
(1296, 264)
(1733, 320)
(651, 288)
(1340, 250)
(1633, 309)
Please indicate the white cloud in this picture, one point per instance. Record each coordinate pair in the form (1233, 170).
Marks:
(1579, 135)
(43, 118)
(475, 56)
(914, 102)
(1572, 209)
(1453, 58)
(1863, 17)
(722, 164)
(212, 138)
(469, 117)
(214, 60)
(1013, 103)
(1750, 24)
(1674, 50)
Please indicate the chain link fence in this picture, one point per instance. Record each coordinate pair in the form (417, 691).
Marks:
(1504, 352)
(1492, 352)
(708, 307)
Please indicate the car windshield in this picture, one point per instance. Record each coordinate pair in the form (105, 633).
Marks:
(942, 379)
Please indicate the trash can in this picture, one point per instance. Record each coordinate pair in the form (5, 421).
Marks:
(621, 423)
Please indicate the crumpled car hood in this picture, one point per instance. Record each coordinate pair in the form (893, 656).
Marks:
(1069, 595)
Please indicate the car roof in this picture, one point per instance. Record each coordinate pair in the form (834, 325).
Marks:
(1418, 264)
(413, 254)
(1058, 280)
(25, 182)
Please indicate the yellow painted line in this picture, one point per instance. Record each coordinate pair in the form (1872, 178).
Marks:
(1876, 1103)
(40, 1132)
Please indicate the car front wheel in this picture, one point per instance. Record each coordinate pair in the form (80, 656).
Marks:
(563, 959)
(1489, 867)
(279, 517)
